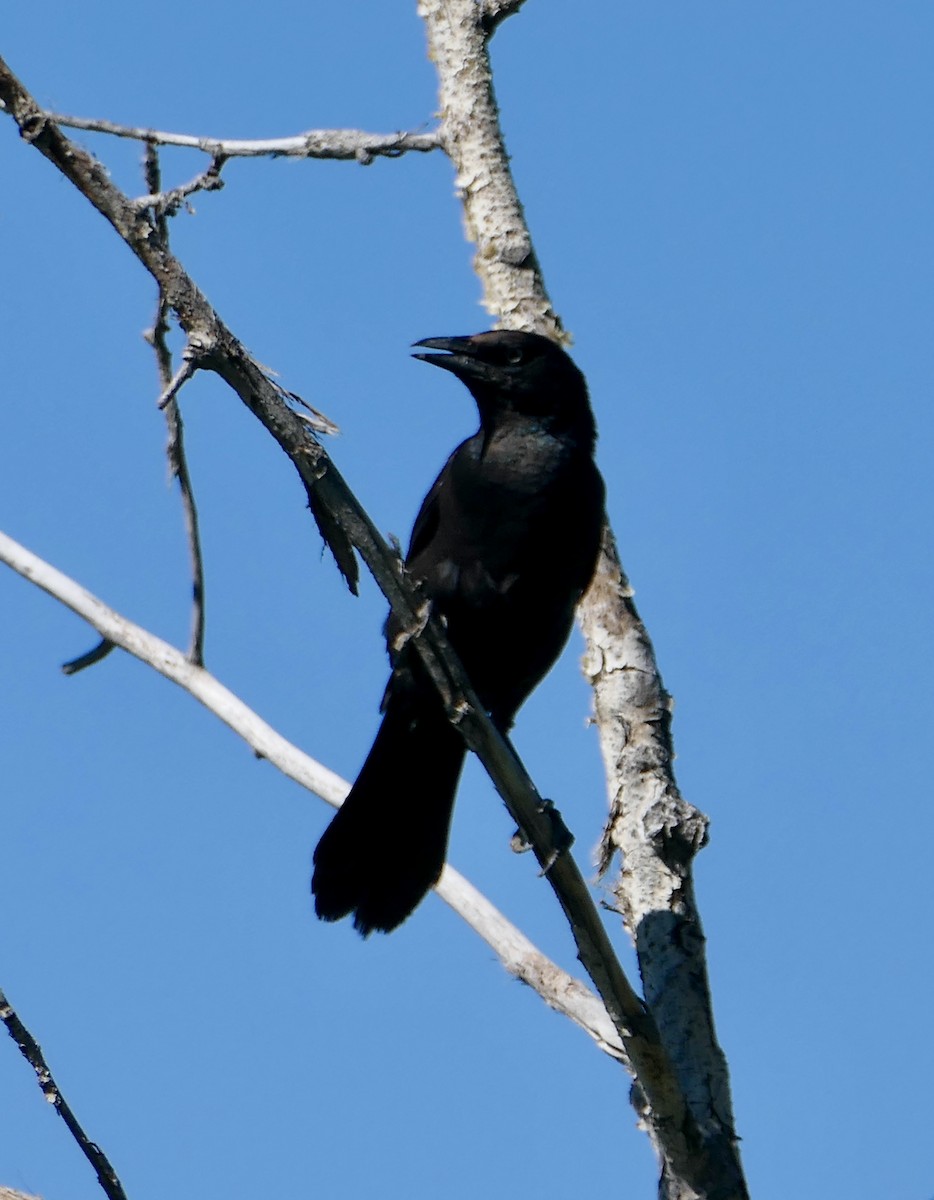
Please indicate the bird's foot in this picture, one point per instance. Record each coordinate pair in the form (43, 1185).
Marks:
(561, 837)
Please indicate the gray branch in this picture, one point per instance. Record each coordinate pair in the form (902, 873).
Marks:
(345, 144)
(514, 289)
(31, 1051)
(175, 427)
(650, 824)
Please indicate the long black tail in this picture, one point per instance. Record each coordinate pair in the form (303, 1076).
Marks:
(386, 845)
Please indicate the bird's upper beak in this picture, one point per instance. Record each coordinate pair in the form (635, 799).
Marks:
(461, 357)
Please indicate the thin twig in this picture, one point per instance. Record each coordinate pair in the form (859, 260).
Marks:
(101, 650)
(493, 12)
(176, 382)
(168, 403)
(167, 204)
(30, 1050)
(314, 418)
(344, 144)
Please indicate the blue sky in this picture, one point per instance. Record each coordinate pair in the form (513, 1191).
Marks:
(732, 206)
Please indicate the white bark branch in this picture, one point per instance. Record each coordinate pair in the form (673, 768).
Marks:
(518, 955)
(514, 291)
(657, 834)
(656, 831)
(344, 144)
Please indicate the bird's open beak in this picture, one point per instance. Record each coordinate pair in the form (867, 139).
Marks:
(460, 357)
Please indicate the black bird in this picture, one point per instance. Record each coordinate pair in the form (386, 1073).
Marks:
(503, 545)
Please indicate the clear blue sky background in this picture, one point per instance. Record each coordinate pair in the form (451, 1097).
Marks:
(732, 205)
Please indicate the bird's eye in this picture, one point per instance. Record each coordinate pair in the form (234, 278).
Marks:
(514, 355)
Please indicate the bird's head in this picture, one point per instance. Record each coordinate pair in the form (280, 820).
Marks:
(509, 371)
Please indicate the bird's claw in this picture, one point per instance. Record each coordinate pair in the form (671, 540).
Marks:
(561, 837)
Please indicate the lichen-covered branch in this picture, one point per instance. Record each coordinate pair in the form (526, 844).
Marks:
(654, 829)
(657, 835)
(514, 290)
(346, 144)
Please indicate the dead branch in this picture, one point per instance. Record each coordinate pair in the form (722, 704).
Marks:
(519, 956)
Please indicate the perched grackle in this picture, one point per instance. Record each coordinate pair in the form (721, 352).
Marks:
(504, 545)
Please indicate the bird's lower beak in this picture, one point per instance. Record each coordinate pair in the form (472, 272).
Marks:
(459, 357)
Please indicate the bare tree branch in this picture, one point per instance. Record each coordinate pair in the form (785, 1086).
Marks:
(514, 290)
(175, 446)
(344, 144)
(30, 1050)
(657, 835)
(494, 11)
(699, 1155)
(518, 955)
(172, 384)
(167, 204)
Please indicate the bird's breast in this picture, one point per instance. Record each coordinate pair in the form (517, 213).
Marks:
(514, 463)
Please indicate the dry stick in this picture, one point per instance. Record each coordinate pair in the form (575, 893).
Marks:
(659, 832)
(30, 1050)
(167, 204)
(347, 526)
(345, 144)
(175, 446)
(492, 12)
(518, 955)
(513, 286)
(94, 655)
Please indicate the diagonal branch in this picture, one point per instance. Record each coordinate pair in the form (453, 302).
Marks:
(31, 1051)
(518, 955)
